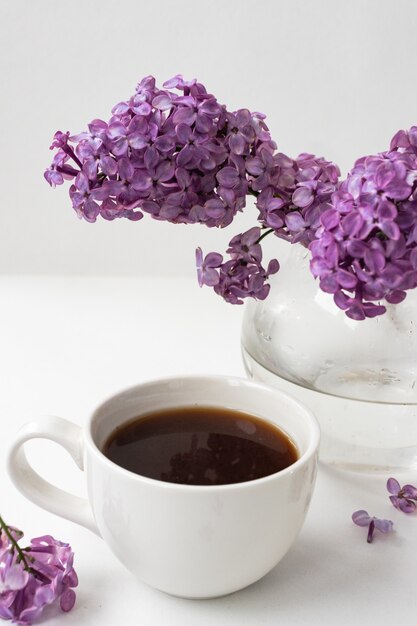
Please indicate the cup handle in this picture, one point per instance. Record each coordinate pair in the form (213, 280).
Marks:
(40, 491)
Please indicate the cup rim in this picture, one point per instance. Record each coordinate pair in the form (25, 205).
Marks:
(311, 449)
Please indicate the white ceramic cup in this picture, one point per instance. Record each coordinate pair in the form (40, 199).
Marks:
(186, 540)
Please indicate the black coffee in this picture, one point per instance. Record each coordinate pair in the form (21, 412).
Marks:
(200, 446)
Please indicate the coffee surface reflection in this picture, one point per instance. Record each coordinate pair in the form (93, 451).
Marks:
(200, 446)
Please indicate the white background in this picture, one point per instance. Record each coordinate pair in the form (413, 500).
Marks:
(335, 78)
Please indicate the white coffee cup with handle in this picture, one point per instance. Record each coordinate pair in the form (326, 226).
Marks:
(187, 540)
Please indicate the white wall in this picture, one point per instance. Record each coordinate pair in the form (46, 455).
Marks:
(335, 77)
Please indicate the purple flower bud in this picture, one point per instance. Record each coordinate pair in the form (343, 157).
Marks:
(60, 140)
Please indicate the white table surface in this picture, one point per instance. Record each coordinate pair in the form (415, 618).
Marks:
(66, 343)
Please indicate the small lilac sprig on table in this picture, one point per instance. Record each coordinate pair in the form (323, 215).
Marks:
(362, 518)
(34, 577)
(403, 498)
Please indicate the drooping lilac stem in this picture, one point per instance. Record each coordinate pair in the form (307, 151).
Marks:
(267, 232)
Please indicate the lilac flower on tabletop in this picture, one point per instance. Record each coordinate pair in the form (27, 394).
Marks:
(362, 518)
(366, 248)
(178, 155)
(243, 274)
(403, 498)
(33, 577)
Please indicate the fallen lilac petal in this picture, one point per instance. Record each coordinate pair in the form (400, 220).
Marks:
(410, 491)
(402, 498)
(393, 485)
(362, 518)
(403, 504)
(383, 525)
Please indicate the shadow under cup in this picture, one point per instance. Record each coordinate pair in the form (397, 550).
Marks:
(200, 541)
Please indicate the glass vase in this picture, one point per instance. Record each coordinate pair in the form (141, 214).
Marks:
(359, 377)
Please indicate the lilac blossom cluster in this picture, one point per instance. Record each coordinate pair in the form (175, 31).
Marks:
(366, 248)
(178, 155)
(293, 194)
(34, 577)
(182, 157)
(242, 275)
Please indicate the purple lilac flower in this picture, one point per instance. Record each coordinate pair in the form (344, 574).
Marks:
(403, 498)
(182, 157)
(32, 578)
(178, 155)
(293, 193)
(207, 268)
(291, 196)
(242, 275)
(362, 518)
(366, 248)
